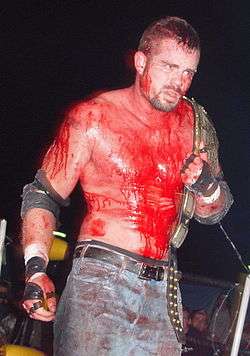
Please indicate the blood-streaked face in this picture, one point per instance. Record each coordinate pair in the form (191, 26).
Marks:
(168, 74)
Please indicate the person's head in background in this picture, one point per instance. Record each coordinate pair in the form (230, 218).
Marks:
(199, 320)
(186, 319)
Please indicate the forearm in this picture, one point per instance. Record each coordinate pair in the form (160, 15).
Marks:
(210, 210)
(39, 295)
(40, 211)
(37, 233)
(212, 194)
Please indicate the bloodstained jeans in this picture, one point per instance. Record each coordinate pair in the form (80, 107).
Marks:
(107, 310)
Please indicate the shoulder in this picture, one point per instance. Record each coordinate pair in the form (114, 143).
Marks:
(114, 98)
(84, 111)
(95, 107)
(199, 111)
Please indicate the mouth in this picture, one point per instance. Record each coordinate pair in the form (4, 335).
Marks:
(171, 95)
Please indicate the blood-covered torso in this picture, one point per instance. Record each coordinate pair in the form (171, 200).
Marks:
(132, 181)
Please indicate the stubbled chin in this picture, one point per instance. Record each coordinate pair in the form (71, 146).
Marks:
(163, 106)
(171, 99)
(171, 104)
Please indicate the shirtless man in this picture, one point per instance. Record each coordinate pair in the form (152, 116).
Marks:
(131, 151)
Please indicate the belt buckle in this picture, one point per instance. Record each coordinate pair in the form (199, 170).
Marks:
(149, 272)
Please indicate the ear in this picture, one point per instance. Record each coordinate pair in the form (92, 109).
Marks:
(140, 62)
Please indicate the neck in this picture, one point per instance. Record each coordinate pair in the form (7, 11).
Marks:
(143, 108)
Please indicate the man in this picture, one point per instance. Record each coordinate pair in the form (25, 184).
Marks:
(132, 152)
(198, 336)
(199, 321)
(186, 320)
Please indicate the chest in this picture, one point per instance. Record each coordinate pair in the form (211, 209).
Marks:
(127, 149)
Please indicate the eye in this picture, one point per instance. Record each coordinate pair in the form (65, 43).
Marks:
(168, 67)
(189, 73)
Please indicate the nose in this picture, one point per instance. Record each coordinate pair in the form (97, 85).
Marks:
(177, 79)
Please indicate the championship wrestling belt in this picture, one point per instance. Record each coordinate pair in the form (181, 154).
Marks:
(203, 132)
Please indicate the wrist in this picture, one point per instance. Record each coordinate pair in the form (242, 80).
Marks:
(36, 249)
(206, 185)
(213, 197)
(36, 275)
(35, 266)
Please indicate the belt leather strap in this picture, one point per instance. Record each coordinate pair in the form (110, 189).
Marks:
(141, 269)
(120, 251)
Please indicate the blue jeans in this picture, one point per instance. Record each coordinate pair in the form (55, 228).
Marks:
(106, 310)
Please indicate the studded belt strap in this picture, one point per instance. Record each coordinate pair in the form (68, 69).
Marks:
(173, 278)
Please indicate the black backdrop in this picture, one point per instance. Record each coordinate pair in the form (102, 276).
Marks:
(57, 52)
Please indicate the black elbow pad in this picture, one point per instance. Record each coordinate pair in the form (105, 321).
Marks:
(41, 194)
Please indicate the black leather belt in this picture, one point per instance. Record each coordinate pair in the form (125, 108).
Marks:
(141, 269)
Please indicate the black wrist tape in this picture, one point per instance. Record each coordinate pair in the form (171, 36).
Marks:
(206, 184)
(34, 265)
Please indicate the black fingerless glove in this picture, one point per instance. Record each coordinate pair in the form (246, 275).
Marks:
(206, 184)
(32, 291)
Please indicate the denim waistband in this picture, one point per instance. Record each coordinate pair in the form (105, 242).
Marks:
(117, 250)
(141, 269)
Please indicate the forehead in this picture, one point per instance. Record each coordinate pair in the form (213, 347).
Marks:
(176, 53)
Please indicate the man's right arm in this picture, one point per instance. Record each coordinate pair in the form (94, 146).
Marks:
(42, 200)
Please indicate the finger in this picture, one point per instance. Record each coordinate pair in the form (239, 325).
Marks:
(193, 167)
(194, 171)
(35, 306)
(42, 312)
(189, 160)
(32, 305)
(38, 312)
(185, 178)
(50, 295)
(188, 177)
(197, 161)
(51, 304)
(43, 315)
(27, 304)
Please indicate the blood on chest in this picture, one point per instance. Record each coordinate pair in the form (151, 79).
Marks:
(141, 158)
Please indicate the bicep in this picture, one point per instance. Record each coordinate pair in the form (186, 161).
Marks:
(67, 156)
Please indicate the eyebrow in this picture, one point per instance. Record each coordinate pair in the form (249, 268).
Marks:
(162, 61)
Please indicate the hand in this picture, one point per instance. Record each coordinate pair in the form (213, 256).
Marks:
(191, 170)
(193, 166)
(39, 297)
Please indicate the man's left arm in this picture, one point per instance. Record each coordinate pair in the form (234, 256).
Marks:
(212, 194)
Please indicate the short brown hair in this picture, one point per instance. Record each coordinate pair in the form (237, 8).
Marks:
(169, 27)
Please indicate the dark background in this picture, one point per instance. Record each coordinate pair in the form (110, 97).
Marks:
(56, 52)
